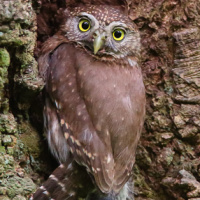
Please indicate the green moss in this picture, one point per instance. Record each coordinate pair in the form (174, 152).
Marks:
(31, 139)
(16, 185)
(8, 124)
(26, 59)
(141, 185)
(3, 197)
(2, 150)
(3, 74)
(4, 58)
(7, 140)
(16, 39)
(19, 197)
(10, 150)
(4, 63)
(7, 165)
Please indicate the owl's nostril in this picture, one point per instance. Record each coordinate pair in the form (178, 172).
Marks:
(94, 35)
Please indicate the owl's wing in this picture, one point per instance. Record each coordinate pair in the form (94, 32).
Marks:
(47, 49)
(57, 67)
(54, 133)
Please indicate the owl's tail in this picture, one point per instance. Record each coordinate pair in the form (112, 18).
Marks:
(69, 181)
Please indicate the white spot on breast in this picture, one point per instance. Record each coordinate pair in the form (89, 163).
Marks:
(54, 126)
(131, 62)
(98, 127)
(127, 102)
(87, 135)
(94, 170)
(79, 113)
(107, 133)
(108, 159)
(98, 169)
(80, 72)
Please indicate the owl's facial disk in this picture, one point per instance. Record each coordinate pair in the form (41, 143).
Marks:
(98, 37)
(103, 39)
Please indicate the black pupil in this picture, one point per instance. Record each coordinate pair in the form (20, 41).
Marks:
(118, 34)
(85, 25)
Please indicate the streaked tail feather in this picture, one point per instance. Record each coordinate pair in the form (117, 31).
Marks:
(68, 182)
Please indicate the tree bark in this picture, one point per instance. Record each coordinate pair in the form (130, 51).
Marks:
(167, 162)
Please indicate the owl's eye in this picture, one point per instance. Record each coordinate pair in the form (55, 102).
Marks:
(84, 25)
(118, 34)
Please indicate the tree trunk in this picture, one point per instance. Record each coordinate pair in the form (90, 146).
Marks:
(167, 162)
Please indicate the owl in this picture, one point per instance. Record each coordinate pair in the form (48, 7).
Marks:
(95, 104)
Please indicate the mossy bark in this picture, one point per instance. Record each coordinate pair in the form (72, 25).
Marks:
(19, 85)
(167, 162)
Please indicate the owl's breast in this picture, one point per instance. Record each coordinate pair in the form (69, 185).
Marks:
(115, 99)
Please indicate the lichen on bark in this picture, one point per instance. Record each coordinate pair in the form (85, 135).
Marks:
(19, 84)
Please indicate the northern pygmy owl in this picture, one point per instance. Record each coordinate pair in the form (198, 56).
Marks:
(95, 103)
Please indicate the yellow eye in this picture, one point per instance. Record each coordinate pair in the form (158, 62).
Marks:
(118, 34)
(84, 25)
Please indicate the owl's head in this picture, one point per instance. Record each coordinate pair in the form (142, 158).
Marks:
(103, 30)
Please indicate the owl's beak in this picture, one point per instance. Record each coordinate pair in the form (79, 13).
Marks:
(99, 41)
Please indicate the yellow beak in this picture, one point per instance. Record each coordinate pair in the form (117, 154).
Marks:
(99, 41)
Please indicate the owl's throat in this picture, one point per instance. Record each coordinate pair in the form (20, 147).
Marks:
(100, 53)
(104, 51)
